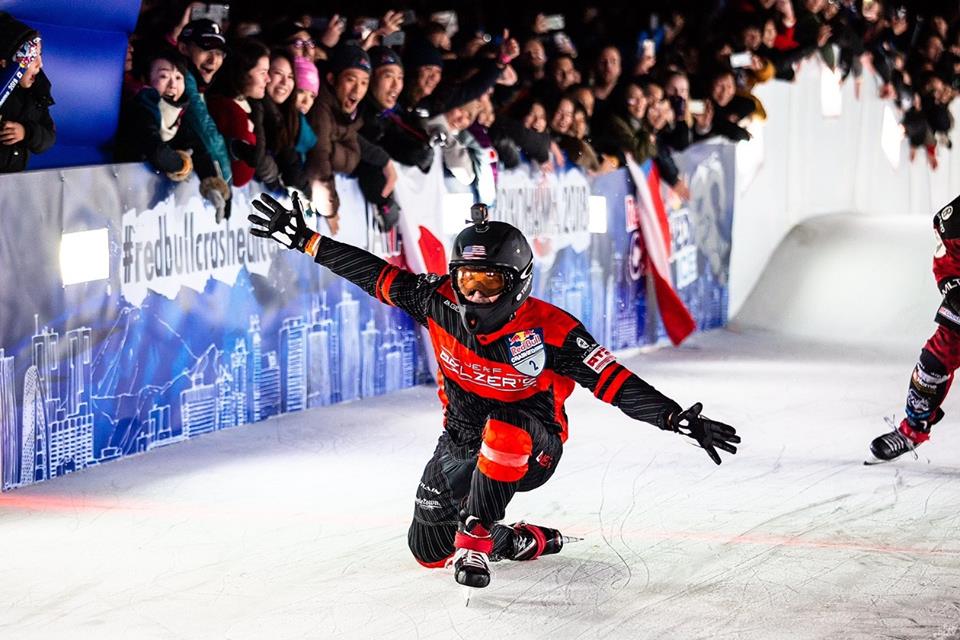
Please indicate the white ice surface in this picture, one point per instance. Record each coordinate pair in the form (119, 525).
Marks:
(296, 527)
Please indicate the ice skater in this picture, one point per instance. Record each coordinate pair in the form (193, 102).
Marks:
(940, 356)
(507, 362)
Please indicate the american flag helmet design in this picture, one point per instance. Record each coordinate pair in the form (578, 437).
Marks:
(474, 252)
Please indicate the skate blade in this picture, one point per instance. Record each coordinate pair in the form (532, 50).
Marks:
(875, 461)
(568, 539)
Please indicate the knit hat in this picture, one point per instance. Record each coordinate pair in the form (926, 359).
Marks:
(13, 34)
(381, 56)
(348, 56)
(306, 75)
(423, 54)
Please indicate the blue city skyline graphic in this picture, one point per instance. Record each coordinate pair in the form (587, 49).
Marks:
(169, 370)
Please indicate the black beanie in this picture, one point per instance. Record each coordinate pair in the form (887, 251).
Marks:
(13, 34)
(423, 54)
(348, 56)
(381, 56)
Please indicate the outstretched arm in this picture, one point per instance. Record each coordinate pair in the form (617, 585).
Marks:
(385, 282)
(592, 366)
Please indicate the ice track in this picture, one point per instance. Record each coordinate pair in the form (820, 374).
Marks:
(296, 527)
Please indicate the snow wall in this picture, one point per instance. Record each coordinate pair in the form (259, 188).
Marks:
(823, 150)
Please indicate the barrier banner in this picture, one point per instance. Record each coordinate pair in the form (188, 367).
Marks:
(701, 231)
(132, 320)
(189, 327)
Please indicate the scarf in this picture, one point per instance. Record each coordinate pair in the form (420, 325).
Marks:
(23, 58)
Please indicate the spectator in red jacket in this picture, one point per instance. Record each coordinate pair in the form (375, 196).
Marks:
(242, 81)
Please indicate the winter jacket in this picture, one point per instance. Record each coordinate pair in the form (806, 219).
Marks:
(234, 119)
(146, 121)
(338, 143)
(265, 170)
(622, 136)
(401, 137)
(507, 130)
(197, 117)
(289, 158)
(31, 108)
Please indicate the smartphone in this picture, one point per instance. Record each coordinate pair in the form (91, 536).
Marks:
(564, 43)
(366, 26)
(697, 107)
(448, 19)
(648, 47)
(555, 22)
(219, 13)
(741, 60)
(395, 39)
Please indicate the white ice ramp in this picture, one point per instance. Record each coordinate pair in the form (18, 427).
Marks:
(851, 279)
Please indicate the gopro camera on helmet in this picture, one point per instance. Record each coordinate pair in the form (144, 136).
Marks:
(479, 214)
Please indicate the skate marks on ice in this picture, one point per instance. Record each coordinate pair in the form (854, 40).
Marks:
(296, 527)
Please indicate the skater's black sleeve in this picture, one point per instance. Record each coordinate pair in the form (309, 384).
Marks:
(385, 282)
(588, 363)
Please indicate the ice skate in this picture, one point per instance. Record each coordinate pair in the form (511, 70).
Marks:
(523, 541)
(902, 439)
(471, 564)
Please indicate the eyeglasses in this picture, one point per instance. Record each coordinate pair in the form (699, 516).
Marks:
(304, 44)
(488, 282)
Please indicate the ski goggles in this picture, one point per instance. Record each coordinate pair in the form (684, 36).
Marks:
(489, 282)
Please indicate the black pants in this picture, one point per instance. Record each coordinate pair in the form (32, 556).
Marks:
(451, 481)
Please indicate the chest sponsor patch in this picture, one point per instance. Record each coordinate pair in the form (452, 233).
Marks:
(598, 359)
(527, 352)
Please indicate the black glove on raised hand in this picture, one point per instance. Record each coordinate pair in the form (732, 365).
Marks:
(708, 433)
(286, 226)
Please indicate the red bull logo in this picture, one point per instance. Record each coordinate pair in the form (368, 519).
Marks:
(523, 341)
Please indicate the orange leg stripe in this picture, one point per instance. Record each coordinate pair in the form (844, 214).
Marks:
(499, 472)
(611, 391)
(609, 371)
(385, 287)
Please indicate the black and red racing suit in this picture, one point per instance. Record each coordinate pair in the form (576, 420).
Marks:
(516, 379)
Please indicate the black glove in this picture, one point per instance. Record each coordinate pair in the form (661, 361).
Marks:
(387, 215)
(244, 152)
(708, 433)
(286, 226)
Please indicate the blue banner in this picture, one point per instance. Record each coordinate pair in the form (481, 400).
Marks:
(132, 320)
(195, 327)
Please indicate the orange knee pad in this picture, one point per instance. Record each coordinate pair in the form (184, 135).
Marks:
(504, 451)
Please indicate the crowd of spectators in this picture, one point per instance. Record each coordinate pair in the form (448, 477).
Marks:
(292, 99)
